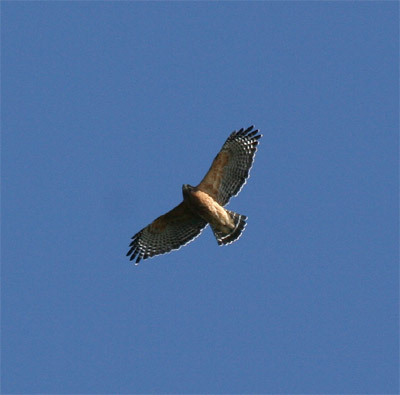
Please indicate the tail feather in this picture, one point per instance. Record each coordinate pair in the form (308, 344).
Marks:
(227, 238)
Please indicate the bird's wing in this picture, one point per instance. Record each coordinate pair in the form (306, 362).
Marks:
(168, 232)
(230, 168)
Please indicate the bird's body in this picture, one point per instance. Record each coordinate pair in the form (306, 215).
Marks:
(203, 204)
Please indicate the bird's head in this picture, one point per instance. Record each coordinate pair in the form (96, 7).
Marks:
(186, 189)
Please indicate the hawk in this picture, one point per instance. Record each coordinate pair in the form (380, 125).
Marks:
(203, 204)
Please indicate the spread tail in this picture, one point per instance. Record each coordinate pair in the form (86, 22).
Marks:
(232, 235)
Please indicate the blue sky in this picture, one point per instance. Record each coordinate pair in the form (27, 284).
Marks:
(109, 107)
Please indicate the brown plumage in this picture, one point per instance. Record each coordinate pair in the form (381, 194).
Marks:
(203, 205)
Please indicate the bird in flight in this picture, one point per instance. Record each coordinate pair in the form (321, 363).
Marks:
(203, 204)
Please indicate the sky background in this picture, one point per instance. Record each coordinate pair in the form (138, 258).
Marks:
(109, 107)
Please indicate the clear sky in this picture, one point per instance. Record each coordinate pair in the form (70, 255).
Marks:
(109, 107)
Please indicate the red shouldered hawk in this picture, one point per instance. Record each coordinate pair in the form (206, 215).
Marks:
(203, 205)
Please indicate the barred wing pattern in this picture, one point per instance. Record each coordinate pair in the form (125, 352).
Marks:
(231, 167)
(168, 232)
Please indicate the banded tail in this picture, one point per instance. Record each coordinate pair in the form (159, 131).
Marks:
(227, 238)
